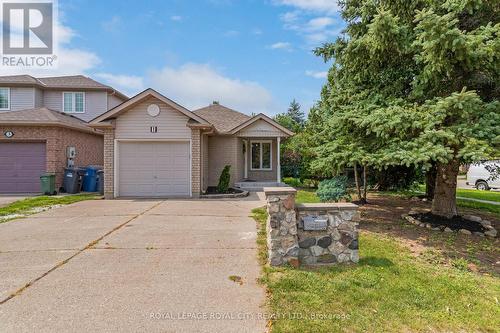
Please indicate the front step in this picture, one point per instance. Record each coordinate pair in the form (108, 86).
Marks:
(257, 186)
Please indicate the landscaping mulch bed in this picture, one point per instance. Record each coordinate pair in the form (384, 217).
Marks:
(455, 223)
(213, 190)
(382, 215)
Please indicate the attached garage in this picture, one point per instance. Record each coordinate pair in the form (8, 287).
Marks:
(151, 148)
(153, 169)
(34, 142)
(21, 164)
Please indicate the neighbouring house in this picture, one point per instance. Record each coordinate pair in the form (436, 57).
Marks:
(154, 147)
(40, 118)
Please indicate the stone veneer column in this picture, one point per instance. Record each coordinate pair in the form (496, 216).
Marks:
(195, 162)
(338, 243)
(109, 163)
(282, 241)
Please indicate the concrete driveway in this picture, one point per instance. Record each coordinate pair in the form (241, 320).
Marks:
(6, 200)
(132, 266)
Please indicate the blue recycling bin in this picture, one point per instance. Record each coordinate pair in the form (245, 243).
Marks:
(90, 179)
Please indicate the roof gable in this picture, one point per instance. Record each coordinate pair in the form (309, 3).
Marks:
(127, 105)
(262, 117)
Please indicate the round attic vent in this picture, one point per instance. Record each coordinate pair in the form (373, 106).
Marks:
(153, 110)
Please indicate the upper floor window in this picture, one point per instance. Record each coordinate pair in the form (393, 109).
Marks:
(74, 102)
(261, 155)
(4, 99)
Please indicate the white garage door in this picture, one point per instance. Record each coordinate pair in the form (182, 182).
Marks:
(153, 169)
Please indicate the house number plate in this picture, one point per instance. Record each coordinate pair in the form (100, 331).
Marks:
(314, 223)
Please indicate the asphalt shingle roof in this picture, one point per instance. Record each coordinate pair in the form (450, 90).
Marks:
(42, 116)
(56, 82)
(222, 118)
(19, 79)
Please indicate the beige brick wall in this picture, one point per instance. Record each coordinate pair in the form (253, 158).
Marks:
(195, 162)
(222, 151)
(88, 146)
(109, 162)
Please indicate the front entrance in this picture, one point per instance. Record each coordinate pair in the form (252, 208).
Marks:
(154, 169)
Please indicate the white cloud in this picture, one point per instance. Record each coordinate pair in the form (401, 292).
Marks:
(319, 23)
(281, 46)
(176, 18)
(70, 61)
(112, 25)
(317, 75)
(197, 85)
(289, 17)
(319, 6)
(315, 31)
(128, 84)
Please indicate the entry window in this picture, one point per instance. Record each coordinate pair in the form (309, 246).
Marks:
(4, 99)
(261, 155)
(74, 102)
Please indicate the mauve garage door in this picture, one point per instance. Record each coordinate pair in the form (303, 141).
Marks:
(153, 169)
(21, 164)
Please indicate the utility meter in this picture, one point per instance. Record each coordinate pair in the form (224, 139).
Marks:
(70, 152)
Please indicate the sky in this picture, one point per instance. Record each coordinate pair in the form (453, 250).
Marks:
(250, 55)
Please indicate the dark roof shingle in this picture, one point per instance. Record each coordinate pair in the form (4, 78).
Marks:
(42, 116)
(222, 118)
(76, 81)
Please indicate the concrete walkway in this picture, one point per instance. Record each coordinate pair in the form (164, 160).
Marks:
(132, 266)
(6, 200)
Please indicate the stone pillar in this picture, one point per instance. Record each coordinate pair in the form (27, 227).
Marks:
(338, 243)
(109, 163)
(281, 226)
(195, 162)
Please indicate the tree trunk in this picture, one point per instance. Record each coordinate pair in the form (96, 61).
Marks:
(356, 179)
(445, 198)
(430, 182)
(365, 185)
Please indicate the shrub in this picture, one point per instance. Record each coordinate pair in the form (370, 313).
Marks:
(224, 179)
(334, 189)
(293, 182)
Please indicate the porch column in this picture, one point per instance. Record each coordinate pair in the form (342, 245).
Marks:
(245, 142)
(278, 139)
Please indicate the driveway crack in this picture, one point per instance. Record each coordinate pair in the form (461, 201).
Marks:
(65, 261)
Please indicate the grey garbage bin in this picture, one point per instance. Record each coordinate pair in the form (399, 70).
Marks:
(73, 180)
(100, 181)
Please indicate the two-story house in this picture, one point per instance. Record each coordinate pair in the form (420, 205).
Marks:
(40, 118)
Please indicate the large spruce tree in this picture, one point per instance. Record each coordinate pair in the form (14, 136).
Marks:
(413, 83)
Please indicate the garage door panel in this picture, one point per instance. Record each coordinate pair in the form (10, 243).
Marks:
(161, 169)
(21, 164)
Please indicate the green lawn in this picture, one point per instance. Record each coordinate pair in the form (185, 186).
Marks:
(306, 196)
(27, 206)
(473, 194)
(388, 291)
(476, 194)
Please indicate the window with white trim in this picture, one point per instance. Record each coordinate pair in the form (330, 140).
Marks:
(261, 155)
(74, 102)
(4, 98)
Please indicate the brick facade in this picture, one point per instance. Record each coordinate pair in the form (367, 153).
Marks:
(89, 146)
(195, 162)
(109, 163)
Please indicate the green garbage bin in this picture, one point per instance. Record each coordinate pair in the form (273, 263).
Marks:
(48, 183)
